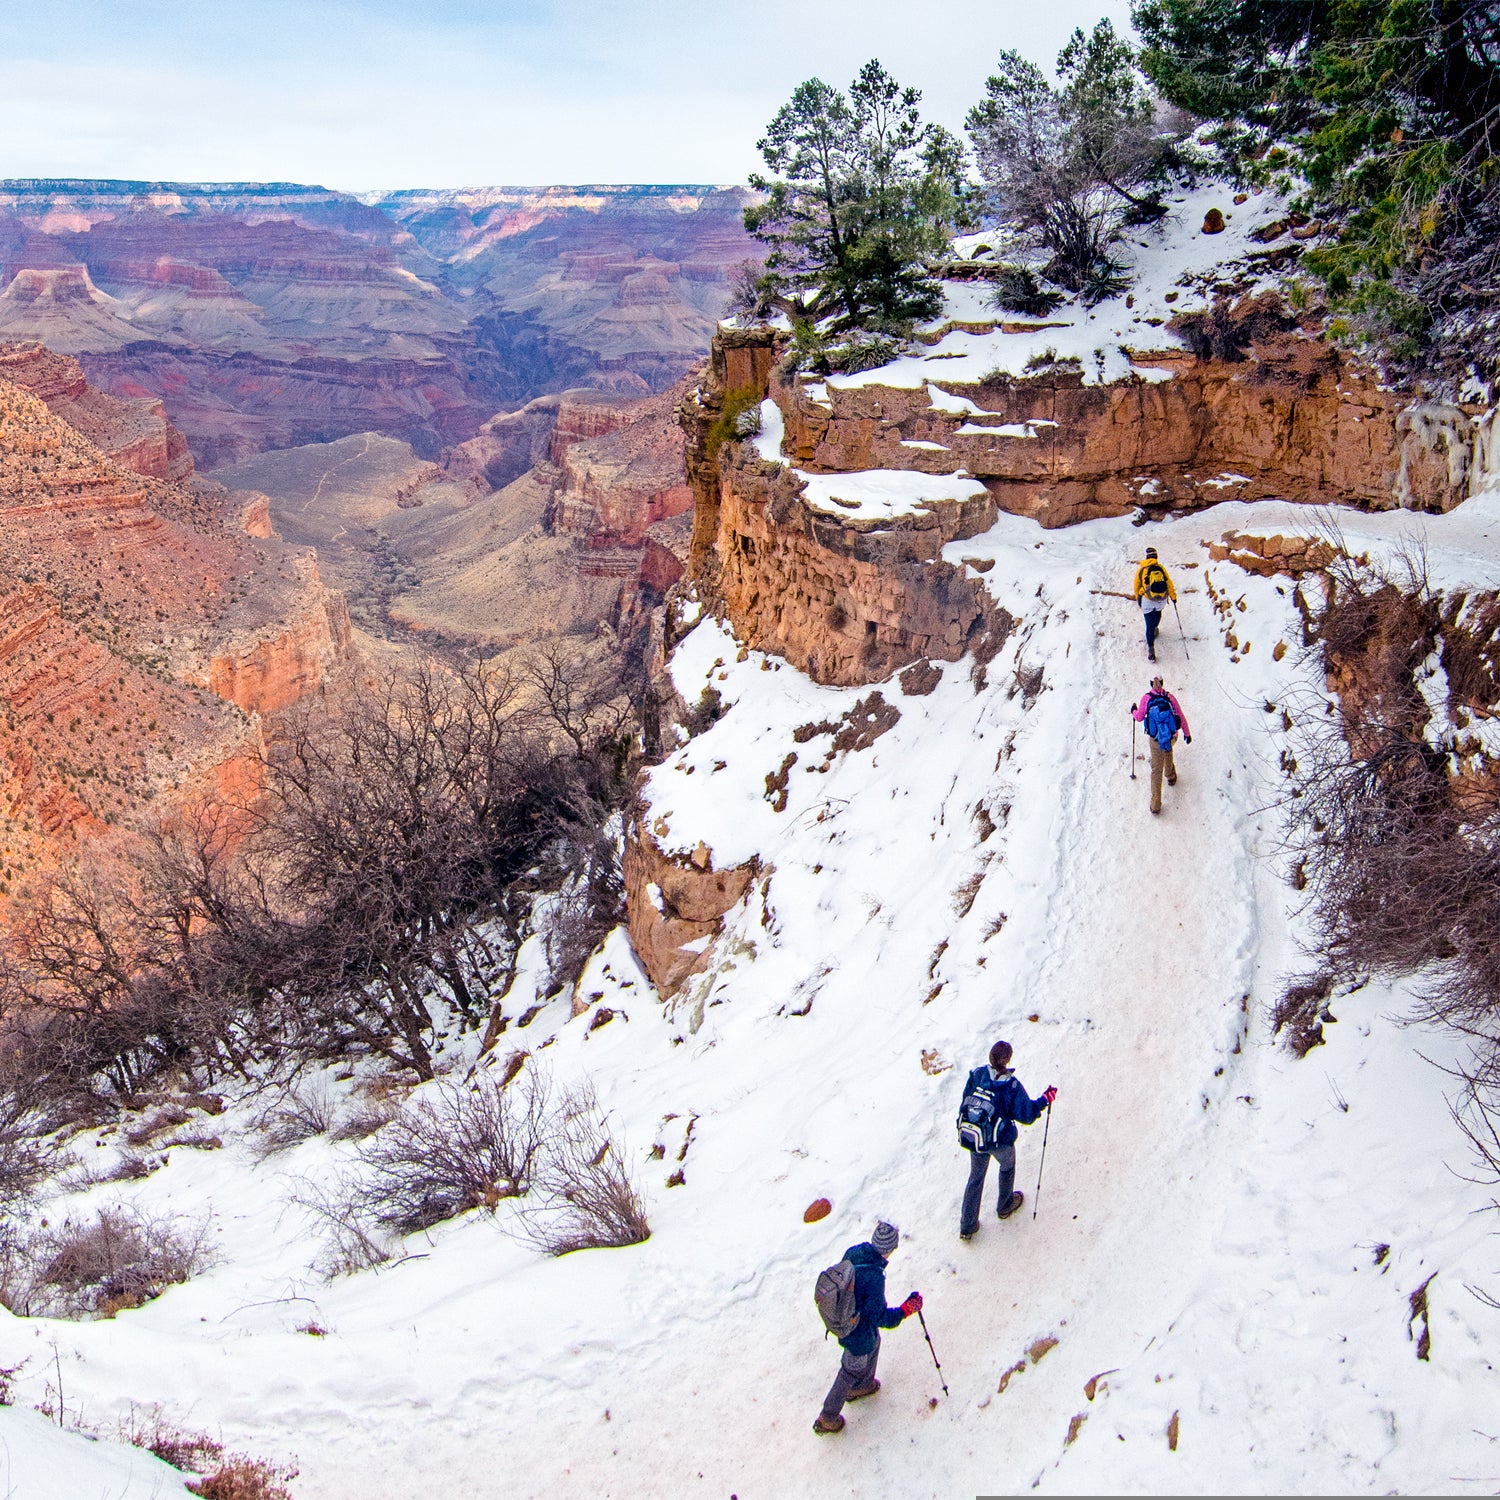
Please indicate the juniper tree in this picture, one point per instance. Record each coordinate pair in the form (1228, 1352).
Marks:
(1069, 164)
(1384, 115)
(863, 197)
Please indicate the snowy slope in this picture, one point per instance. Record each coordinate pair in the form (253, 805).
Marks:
(39, 1461)
(1169, 264)
(1208, 1225)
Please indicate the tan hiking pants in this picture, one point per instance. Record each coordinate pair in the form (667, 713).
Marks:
(1161, 760)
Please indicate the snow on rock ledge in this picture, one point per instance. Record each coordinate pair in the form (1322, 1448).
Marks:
(675, 907)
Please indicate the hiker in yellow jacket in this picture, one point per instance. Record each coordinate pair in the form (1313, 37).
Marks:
(1153, 587)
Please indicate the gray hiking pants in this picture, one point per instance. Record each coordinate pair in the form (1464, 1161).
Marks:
(855, 1370)
(979, 1165)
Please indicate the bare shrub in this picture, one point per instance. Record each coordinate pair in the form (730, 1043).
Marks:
(224, 1476)
(301, 1113)
(24, 1163)
(127, 1166)
(373, 898)
(195, 1140)
(1395, 877)
(586, 1197)
(242, 1478)
(143, 1132)
(467, 1145)
(192, 1452)
(1299, 1013)
(352, 1239)
(362, 1121)
(122, 1258)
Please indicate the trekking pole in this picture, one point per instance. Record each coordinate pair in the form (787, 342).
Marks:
(933, 1351)
(1180, 631)
(1132, 762)
(1037, 1201)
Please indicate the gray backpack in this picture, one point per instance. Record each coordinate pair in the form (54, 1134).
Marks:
(834, 1295)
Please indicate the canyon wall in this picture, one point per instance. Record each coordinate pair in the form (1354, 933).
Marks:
(268, 316)
(1294, 421)
(850, 599)
(135, 434)
(143, 633)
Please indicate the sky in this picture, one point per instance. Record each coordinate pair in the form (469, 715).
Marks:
(368, 94)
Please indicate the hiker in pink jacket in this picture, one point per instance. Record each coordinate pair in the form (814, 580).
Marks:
(1162, 715)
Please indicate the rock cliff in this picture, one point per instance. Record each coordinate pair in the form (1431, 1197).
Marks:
(849, 592)
(270, 316)
(144, 633)
(135, 434)
(674, 906)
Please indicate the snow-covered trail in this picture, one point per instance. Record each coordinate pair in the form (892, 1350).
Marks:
(1204, 1236)
(1134, 951)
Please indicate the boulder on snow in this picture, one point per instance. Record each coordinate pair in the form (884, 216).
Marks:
(1213, 222)
(819, 1208)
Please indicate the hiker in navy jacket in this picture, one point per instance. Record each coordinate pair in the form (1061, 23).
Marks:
(994, 1103)
(856, 1377)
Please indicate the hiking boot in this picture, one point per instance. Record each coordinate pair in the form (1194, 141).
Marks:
(1150, 653)
(1016, 1199)
(1156, 812)
(968, 1234)
(861, 1391)
(1171, 781)
(826, 1426)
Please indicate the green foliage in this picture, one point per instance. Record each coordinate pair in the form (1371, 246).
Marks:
(1070, 164)
(726, 426)
(823, 353)
(868, 353)
(1044, 361)
(862, 197)
(1385, 115)
(1105, 278)
(1020, 290)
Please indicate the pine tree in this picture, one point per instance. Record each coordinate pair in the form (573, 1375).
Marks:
(1384, 116)
(1072, 163)
(863, 198)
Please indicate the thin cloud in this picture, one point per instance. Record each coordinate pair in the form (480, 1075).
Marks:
(370, 94)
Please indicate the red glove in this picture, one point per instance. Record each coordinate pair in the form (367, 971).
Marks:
(913, 1304)
(1050, 1092)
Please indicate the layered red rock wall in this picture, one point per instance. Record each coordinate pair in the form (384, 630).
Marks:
(264, 674)
(1295, 422)
(123, 601)
(134, 434)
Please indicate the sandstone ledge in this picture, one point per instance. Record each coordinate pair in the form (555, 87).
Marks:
(671, 903)
(1291, 556)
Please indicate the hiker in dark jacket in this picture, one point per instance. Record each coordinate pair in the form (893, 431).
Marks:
(856, 1377)
(994, 1103)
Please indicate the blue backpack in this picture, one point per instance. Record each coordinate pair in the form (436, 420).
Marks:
(1161, 722)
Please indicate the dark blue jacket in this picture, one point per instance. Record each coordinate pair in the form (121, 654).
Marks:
(1014, 1105)
(869, 1298)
